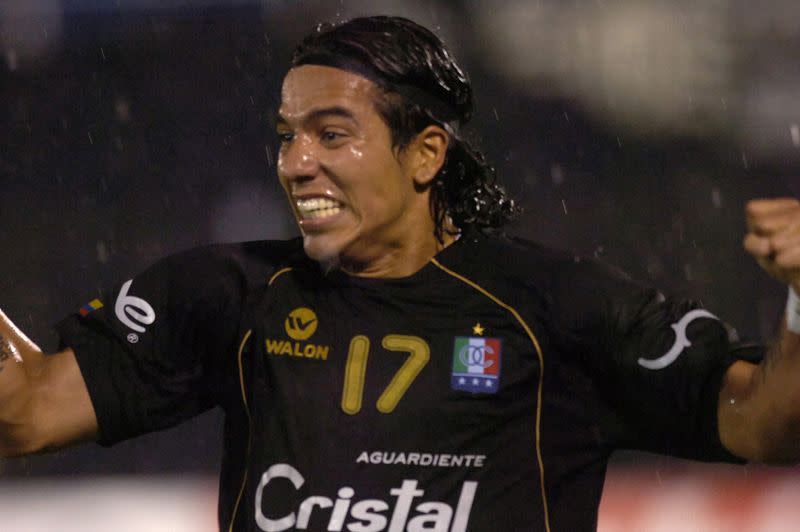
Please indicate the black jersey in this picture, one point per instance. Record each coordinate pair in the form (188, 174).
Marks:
(483, 393)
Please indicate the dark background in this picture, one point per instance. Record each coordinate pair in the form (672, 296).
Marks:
(630, 130)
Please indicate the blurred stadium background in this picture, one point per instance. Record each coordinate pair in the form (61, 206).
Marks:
(632, 130)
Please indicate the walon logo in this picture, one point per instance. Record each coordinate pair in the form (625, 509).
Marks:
(301, 323)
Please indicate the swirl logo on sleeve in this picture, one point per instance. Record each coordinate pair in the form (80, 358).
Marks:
(134, 312)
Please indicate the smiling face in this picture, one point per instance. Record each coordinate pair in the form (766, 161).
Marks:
(359, 201)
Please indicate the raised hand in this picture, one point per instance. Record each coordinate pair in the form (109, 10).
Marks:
(773, 237)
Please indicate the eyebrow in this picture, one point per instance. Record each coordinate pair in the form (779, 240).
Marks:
(324, 112)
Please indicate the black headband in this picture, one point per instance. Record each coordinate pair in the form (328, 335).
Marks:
(438, 108)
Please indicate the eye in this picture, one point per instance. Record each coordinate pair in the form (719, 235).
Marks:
(329, 136)
(285, 138)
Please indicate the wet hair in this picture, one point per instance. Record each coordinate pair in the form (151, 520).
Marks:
(421, 84)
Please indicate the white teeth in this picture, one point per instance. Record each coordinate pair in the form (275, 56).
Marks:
(317, 207)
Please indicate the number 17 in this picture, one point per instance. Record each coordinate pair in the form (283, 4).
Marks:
(356, 369)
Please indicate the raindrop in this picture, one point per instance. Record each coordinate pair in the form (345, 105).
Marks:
(745, 161)
(557, 174)
(269, 155)
(122, 110)
(11, 59)
(91, 140)
(794, 130)
(564, 206)
(102, 252)
(716, 197)
(687, 270)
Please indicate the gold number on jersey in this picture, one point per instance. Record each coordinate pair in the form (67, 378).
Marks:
(356, 367)
(419, 353)
(354, 373)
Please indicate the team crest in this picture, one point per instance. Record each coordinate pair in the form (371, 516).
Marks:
(476, 364)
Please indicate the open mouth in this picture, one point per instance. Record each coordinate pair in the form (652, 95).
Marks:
(317, 208)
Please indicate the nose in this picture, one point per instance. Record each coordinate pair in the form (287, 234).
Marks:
(297, 160)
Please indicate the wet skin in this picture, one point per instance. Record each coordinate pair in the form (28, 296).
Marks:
(361, 203)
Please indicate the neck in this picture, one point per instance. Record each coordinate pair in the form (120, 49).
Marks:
(399, 261)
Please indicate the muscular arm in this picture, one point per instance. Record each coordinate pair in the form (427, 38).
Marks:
(759, 405)
(44, 403)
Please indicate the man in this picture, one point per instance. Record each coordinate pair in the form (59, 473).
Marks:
(403, 366)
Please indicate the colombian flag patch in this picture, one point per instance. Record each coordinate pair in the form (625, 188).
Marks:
(91, 306)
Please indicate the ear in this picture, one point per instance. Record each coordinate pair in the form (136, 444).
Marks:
(429, 148)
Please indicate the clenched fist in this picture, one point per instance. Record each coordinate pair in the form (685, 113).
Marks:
(773, 237)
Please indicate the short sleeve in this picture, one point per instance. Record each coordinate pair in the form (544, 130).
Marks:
(659, 365)
(153, 351)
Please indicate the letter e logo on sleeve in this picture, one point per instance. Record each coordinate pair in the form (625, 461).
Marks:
(681, 340)
(133, 312)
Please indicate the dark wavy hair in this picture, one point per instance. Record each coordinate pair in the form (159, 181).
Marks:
(421, 84)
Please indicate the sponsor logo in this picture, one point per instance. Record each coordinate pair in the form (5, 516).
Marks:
(681, 340)
(392, 514)
(90, 307)
(421, 459)
(300, 325)
(476, 364)
(133, 312)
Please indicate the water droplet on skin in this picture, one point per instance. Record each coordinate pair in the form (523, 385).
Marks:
(355, 152)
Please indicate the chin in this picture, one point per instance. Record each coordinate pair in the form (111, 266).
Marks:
(326, 251)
